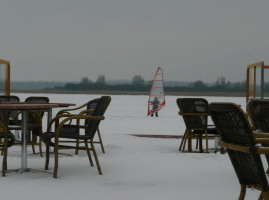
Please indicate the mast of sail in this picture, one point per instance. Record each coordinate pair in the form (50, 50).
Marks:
(156, 93)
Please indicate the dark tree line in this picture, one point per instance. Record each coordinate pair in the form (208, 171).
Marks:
(139, 84)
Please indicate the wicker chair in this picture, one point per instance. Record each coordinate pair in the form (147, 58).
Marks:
(7, 140)
(11, 114)
(242, 147)
(75, 129)
(34, 120)
(258, 110)
(93, 119)
(35, 123)
(195, 114)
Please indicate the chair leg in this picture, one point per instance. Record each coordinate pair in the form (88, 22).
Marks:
(4, 165)
(77, 147)
(189, 143)
(201, 144)
(242, 193)
(33, 148)
(101, 141)
(47, 157)
(197, 142)
(40, 147)
(185, 140)
(88, 152)
(206, 139)
(265, 195)
(182, 140)
(95, 157)
(55, 161)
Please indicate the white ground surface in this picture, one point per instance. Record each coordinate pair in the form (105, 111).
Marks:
(133, 168)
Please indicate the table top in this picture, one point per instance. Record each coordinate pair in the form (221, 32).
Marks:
(27, 106)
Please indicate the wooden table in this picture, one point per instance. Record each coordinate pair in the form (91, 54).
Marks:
(24, 108)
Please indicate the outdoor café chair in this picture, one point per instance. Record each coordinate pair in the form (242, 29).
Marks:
(55, 139)
(195, 115)
(11, 114)
(74, 128)
(258, 111)
(14, 124)
(243, 147)
(7, 140)
(35, 122)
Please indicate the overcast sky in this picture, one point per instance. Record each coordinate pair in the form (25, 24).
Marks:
(65, 40)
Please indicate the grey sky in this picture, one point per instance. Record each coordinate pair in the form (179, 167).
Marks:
(65, 40)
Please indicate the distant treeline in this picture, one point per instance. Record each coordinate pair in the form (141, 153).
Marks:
(139, 84)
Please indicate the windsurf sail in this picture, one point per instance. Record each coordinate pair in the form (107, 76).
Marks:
(156, 97)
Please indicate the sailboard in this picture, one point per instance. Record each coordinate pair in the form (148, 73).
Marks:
(156, 97)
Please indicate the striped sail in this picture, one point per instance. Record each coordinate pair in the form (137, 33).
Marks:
(156, 97)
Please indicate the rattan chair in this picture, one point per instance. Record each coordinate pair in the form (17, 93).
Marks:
(75, 129)
(11, 114)
(35, 123)
(258, 111)
(195, 114)
(7, 140)
(242, 147)
(54, 139)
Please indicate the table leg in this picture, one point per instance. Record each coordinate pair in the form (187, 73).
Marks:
(190, 144)
(24, 141)
(49, 117)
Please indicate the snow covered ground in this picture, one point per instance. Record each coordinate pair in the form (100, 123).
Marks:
(134, 168)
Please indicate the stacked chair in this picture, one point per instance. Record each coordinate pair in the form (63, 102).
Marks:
(60, 137)
(195, 114)
(243, 147)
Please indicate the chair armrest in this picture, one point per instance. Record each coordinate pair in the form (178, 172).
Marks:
(71, 109)
(236, 147)
(246, 149)
(262, 140)
(260, 134)
(77, 117)
(263, 150)
(89, 112)
(56, 119)
(32, 114)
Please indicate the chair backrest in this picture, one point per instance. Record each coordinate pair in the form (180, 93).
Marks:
(91, 105)
(99, 110)
(37, 99)
(258, 110)
(194, 112)
(234, 128)
(11, 98)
